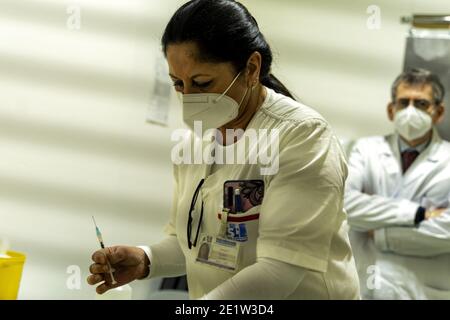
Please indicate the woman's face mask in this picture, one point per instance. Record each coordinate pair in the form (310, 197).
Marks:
(211, 109)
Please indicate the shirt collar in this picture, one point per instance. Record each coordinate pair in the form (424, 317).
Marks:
(403, 146)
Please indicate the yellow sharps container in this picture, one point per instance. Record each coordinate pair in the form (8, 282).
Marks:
(11, 267)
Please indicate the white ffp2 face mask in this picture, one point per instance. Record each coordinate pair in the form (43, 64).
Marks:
(412, 123)
(211, 109)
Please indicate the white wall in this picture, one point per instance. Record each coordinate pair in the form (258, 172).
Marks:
(73, 136)
(329, 58)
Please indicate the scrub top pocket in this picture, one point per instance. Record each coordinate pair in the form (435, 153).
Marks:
(243, 228)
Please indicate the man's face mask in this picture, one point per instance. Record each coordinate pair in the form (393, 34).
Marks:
(412, 123)
(212, 109)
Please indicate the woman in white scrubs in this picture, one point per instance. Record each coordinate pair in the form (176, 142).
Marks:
(243, 229)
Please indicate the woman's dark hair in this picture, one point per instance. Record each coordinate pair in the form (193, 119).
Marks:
(224, 31)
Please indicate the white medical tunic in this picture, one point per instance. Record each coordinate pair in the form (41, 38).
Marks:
(301, 219)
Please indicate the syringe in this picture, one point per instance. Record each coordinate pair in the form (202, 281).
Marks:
(102, 245)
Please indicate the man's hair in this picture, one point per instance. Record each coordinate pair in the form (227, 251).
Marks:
(420, 77)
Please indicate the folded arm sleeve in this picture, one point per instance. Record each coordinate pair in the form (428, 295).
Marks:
(267, 279)
(370, 212)
(302, 206)
(431, 238)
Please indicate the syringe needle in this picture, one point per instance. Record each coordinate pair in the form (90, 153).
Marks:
(102, 245)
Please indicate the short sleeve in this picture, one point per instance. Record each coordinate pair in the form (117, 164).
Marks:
(303, 203)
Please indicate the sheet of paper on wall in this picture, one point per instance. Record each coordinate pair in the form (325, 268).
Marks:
(159, 105)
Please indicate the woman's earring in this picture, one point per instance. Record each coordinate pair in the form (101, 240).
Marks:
(254, 84)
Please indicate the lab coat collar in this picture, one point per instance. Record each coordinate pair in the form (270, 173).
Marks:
(423, 164)
(433, 148)
(403, 146)
(390, 156)
(431, 151)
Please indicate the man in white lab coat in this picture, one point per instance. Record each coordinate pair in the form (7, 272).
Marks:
(397, 195)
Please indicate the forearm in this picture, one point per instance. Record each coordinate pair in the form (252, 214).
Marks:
(370, 212)
(267, 279)
(166, 258)
(431, 238)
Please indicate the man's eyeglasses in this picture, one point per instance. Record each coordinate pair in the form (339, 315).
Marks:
(190, 219)
(421, 104)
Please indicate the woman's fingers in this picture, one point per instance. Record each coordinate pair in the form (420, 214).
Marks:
(101, 289)
(96, 268)
(99, 257)
(114, 255)
(117, 258)
(95, 278)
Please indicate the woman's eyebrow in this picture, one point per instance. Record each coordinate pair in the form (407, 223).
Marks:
(200, 75)
(193, 77)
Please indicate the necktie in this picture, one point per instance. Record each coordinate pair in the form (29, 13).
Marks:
(408, 158)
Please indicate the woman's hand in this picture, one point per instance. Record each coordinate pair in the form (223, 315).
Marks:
(128, 264)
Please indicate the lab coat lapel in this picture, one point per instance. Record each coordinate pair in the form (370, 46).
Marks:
(424, 164)
(390, 157)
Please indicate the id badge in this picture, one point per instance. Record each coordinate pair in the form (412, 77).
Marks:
(219, 252)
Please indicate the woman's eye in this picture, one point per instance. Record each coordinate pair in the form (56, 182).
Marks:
(202, 85)
(178, 84)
